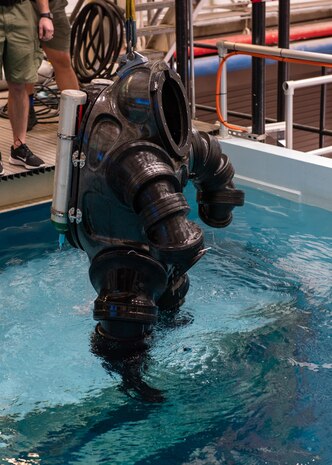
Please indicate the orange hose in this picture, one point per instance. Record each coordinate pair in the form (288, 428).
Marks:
(256, 55)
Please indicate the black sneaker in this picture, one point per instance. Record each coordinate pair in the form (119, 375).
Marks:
(32, 119)
(22, 155)
(2, 171)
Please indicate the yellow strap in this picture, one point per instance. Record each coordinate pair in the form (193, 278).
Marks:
(130, 10)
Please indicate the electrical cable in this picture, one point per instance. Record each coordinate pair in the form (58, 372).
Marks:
(46, 103)
(96, 40)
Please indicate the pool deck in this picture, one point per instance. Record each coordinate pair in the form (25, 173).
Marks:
(19, 186)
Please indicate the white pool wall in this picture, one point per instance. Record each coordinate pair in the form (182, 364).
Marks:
(291, 174)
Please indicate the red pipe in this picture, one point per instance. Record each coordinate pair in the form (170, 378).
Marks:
(305, 32)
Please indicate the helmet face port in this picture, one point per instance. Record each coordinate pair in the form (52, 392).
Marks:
(171, 112)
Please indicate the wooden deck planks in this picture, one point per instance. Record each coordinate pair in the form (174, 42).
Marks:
(21, 186)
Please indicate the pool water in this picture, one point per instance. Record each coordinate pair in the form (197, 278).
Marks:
(244, 371)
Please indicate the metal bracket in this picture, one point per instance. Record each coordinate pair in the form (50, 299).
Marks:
(75, 215)
(78, 159)
(129, 60)
(247, 135)
(65, 136)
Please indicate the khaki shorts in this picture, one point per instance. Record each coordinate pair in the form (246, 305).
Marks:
(61, 38)
(21, 57)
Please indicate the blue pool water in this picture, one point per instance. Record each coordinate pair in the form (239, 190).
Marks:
(245, 371)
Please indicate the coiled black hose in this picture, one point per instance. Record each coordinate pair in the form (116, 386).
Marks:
(96, 40)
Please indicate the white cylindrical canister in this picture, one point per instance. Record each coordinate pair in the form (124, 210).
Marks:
(69, 101)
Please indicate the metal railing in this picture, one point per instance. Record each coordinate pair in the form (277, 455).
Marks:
(289, 89)
(227, 49)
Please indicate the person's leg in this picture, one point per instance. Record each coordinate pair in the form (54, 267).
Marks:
(57, 49)
(18, 109)
(23, 56)
(64, 74)
(21, 63)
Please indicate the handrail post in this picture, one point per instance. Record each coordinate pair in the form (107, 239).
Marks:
(222, 52)
(322, 111)
(289, 94)
(276, 53)
(289, 88)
